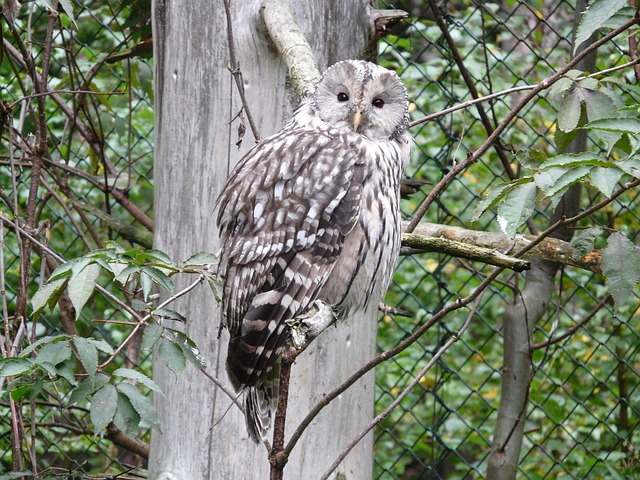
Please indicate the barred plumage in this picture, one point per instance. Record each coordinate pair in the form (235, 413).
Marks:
(311, 213)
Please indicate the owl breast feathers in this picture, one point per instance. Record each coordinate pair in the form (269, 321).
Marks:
(311, 213)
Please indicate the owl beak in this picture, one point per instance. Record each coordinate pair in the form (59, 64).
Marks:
(357, 120)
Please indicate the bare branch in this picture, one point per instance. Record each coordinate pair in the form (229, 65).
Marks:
(292, 45)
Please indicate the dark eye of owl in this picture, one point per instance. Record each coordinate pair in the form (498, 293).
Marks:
(378, 102)
(343, 97)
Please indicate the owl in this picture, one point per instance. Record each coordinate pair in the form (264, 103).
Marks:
(309, 223)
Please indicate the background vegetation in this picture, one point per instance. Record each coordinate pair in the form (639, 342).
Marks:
(76, 174)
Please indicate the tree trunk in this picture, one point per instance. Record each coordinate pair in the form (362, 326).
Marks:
(196, 131)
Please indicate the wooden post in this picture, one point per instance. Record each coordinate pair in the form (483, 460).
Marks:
(196, 131)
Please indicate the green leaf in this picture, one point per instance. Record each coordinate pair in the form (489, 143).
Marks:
(167, 314)
(82, 285)
(103, 407)
(599, 105)
(14, 475)
(53, 353)
(48, 294)
(563, 140)
(150, 336)
(86, 387)
(516, 208)
(531, 158)
(138, 377)
(200, 259)
(101, 345)
(126, 417)
(188, 346)
(88, 355)
(141, 404)
(630, 125)
(621, 267)
(67, 6)
(42, 341)
(568, 160)
(491, 198)
(598, 12)
(583, 243)
(159, 277)
(13, 366)
(147, 284)
(605, 179)
(559, 179)
(569, 111)
(173, 357)
(630, 166)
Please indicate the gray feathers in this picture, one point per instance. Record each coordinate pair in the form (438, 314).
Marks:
(311, 213)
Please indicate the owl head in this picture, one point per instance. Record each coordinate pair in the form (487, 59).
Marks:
(362, 97)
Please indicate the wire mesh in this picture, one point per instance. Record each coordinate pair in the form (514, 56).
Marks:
(581, 417)
(582, 411)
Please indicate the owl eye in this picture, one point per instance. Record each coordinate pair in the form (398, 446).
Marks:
(378, 102)
(343, 97)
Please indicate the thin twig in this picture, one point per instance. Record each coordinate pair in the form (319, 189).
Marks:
(235, 71)
(438, 316)
(143, 320)
(574, 328)
(53, 92)
(543, 85)
(453, 339)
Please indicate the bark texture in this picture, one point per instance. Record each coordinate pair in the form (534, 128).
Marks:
(196, 132)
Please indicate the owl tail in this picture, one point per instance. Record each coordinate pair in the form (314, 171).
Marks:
(260, 404)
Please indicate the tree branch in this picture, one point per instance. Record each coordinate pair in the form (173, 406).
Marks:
(296, 52)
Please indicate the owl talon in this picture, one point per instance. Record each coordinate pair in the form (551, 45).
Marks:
(308, 326)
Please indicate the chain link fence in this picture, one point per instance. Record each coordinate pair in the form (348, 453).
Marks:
(582, 413)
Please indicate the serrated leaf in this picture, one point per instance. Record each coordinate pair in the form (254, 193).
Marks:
(562, 179)
(68, 9)
(53, 353)
(621, 267)
(559, 88)
(173, 357)
(583, 243)
(563, 140)
(516, 208)
(42, 341)
(188, 346)
(200, 259)
(14, 475)
(159, 277)
(491, 197)
(103, 407)
(12, 366)
(568, 160)
(101, 345)
(159, 256)
(150, 336)
(123, 276)
(126, 417)
(599, 105)
(147, 284)
(86, 387)
(138, 377)
(605, 179)
(569, 111)
(630, 125)
(45, 294)
(598, 12)
(630, 166)
(88, 355)
(531, 158)
(141, 404)
(167, 314)
(82, 285)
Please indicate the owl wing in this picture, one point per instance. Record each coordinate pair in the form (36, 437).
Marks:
(283, 216)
